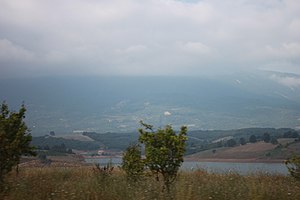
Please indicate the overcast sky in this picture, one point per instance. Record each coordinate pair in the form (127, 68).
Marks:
(147, 37)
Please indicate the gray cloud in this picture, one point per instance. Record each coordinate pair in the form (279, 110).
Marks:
(133, 37)
(13, 52)
(286, 80)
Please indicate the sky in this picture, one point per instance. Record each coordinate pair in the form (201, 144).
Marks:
(147, 37)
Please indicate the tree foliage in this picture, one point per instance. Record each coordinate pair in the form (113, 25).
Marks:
(266, 137)
(164, 151)
(252, 139)
(132, 162)
(231, 143)
(14, 139)
(291, 134)
(274, 140)
(242, 141)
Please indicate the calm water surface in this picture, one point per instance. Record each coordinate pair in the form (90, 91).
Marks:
(214, 167)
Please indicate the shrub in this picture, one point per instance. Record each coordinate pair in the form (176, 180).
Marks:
(132, 162)
(293, 165)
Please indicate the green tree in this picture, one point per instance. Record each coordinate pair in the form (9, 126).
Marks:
(274, 140)
(252, 139)
(242, 141)
(164, 151)
(231, 143)
(291, 134)
(14, 139)
(132, 162)
(266, 137)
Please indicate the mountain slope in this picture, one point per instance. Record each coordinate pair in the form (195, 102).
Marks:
(116, 104)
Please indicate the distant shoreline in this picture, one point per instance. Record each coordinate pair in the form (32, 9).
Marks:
(228, 160)
(234, 160)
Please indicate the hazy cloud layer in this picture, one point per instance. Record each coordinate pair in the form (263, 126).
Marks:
(287, 80)
(153, 37)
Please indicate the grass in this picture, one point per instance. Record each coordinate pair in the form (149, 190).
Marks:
(84, 183)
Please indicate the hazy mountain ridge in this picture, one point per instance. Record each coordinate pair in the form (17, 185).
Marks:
(116, 104)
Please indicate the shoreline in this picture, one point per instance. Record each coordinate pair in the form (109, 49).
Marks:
(234, 160)
(225, 160)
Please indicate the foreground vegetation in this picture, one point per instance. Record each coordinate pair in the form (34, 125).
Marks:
(86, 183)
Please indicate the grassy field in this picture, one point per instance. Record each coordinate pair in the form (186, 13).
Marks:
(85, 183)
(259, 151)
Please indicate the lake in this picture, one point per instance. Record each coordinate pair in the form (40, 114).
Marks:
(214, 167)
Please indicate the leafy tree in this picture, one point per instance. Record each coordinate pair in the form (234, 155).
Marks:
(291, 134)
(69, 151)
(231, 143)
(14, 139)
(266, 137)
(242, 141)
(252, 139)
(274, 140)
(164, 151)
(59, 148)
(293, 165)
(52, 133)
(132, 162)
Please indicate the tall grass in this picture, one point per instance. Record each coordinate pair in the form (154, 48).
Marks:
(84, 183)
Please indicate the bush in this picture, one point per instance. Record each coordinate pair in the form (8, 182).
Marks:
(293, 165)
(132, 162)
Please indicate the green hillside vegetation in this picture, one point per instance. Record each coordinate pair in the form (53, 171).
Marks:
(48, 141)
(117, 141)
(198, 141)
(205, 140)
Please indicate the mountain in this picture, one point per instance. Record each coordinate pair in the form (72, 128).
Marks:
(117, 104)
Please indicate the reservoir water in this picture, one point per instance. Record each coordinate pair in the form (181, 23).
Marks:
(214, 167)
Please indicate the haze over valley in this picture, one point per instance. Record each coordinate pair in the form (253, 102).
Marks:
(116, 104)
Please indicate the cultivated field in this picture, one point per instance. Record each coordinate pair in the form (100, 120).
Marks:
(250, 152)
